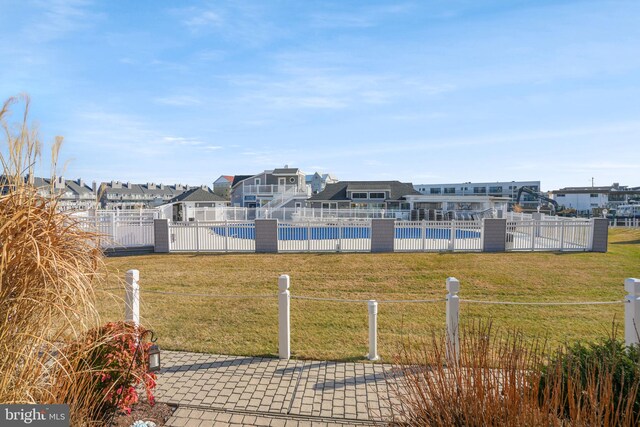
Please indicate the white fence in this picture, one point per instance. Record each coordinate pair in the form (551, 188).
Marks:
(543, 235)
(453, 301)
(120, 228)
(212, 236)
(324, 237)
(625, 222)
(438, 236)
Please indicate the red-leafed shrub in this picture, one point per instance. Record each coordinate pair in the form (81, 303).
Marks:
(117, 366)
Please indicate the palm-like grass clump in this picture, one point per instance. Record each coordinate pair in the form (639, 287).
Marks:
(48, 271)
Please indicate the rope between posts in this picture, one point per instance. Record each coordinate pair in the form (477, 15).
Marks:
(543, 303)
(208, 295)
(366, 300)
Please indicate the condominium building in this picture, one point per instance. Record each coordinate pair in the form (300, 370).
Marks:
(498, 189)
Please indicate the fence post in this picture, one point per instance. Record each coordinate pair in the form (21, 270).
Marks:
(284, 318)
(373, 330)
(632, 311)
(452, 235)
(453, 318)
(132, 297)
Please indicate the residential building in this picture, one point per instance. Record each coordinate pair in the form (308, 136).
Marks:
(317, 182)
(222, 186)
(119, 195)
(193, 205)
(495, 189)
(270, 189)
(585, 199)
(388, 195)
(71, 195)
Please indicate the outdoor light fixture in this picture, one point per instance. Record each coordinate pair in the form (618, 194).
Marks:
(154, 358)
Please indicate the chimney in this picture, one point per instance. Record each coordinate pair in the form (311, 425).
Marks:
(80, 182)
(162, 186)
(116, 184)
(151, 186)
(128, 185)
(59, 183)
(94, 187)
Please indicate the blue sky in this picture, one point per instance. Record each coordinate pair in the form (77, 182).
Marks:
(419, 91)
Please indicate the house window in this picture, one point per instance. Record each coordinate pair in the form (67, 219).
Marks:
(257, 181)
(479, 190)
(560, 195)
(376, 195)
(494, 190)
(450, 190)
(593, 195)
(435, 191)
(282, 181)
(358, 195)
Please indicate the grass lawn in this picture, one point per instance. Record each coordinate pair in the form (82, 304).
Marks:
(338, 331)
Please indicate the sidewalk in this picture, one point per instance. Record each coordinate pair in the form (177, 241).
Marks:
(233, 390)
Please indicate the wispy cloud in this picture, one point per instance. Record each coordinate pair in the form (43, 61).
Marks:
(363, 17)
(179, 140)
(179, 100)
(57, 18)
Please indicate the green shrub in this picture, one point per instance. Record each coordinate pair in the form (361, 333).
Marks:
(607, 368)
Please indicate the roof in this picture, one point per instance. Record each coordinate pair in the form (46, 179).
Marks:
(285, 171)
(595, 190)
(338, 191)
(239, 178)
(228, 178)
(198, 195)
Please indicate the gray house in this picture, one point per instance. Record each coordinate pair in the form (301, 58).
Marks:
(283, 187)
(363, 195)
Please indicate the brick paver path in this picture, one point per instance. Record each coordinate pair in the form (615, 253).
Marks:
(235, 390)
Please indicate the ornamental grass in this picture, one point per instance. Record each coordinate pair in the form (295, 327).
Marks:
(503, 380)
(49, 269)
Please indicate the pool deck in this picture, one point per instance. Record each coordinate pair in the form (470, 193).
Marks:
(218, 390)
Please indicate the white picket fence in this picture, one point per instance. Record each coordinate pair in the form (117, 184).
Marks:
(625, 222)
(212, 236)
(343, 236)
(438, 236)
(119, 229)
(563, 235)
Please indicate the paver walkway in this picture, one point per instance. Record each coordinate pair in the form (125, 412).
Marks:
(233, 390)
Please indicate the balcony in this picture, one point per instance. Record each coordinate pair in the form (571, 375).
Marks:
(268, 190)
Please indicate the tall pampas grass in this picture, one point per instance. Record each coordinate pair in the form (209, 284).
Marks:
(48, 272)
(501, 379)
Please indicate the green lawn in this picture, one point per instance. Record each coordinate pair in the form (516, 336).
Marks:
(329, 330)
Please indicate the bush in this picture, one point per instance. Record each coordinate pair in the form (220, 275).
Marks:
(117, 367)
(501, 379)
(603, 376)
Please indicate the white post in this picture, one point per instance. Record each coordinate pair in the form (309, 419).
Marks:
(226, 235)
(373, 330)
(424, 235)
(453, 319)
(452, 237)
(197, 236)
(284, 318)
(632, 311)
(132, 297)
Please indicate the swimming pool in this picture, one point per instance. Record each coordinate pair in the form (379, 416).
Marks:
(344, 232)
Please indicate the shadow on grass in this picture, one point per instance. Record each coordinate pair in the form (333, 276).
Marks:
(626, 242)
